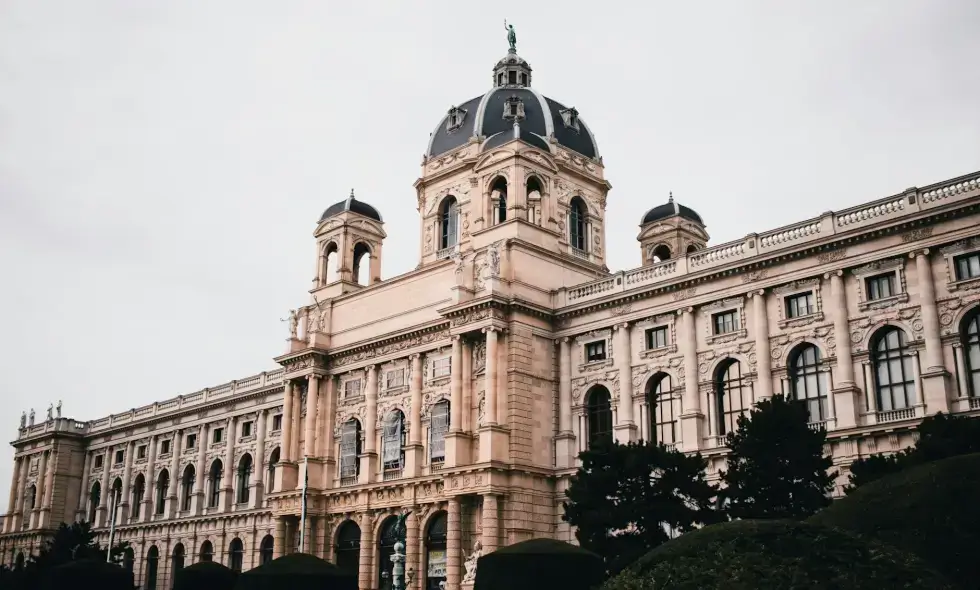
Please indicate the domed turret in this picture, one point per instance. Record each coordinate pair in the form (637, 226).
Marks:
(354, 206)
(670, 230)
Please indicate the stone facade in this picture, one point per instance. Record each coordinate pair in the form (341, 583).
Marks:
(463, 390)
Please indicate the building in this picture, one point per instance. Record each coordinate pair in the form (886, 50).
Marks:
(463, 390)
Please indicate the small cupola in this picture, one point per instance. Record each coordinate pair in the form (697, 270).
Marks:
(669, 231)
(512, 71)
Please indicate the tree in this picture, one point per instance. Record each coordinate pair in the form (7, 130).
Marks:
(776, 467)
(627, 499)
(940, 436)
(70, 542)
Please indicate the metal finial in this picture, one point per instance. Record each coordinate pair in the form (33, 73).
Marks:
(670, 200)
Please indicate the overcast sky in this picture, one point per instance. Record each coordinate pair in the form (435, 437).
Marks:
(163, 163)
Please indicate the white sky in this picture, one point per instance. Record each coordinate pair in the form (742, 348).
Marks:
(163, 163)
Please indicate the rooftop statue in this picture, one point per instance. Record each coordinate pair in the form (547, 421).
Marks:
(511, 36)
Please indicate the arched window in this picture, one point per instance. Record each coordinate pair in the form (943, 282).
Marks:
(350, 449)
(362, 263)
(19, 562)
(30, 498)
(265, 549)
(438, 427)
(691, 249)
(347, 551)
(448, 223)
(139, 489)
(576, 224)
(806, 382)
(435, 545)
(533, 186)
(176, 562)
(660, 253)
(244, 478)
(236, 554)
(129, 559)
(163, 482)
(270, 476)
(970, 334)
(330, 258)
(152, 557)
(894, 377)
(660, 407)
(393, 444)
(207, 551)
(93, 500)
(599, 415)
(114, 500)
(498, 198)
(386, 548)
(187, 487)
(214, 483)
(731, 396)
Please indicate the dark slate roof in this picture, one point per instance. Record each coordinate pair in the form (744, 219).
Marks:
(670, 209)
(485, 117)
(354, 206)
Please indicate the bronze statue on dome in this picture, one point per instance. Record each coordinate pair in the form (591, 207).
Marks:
(511, 36)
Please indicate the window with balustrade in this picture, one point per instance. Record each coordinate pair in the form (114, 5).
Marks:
(661, 420)
(598, 418)
(894, 374)
(438, 427)
(807, 384)
(350, 450)
(732, 396)
(393, 444)
(970, 336)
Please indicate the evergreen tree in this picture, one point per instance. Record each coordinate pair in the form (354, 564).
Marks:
(627, 499)
(776, 467)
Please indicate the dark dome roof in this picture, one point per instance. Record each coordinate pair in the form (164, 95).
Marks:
(483, 116)
(670, 209)
(354, 206)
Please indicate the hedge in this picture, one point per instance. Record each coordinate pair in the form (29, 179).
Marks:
(296, 571)
(88, 573)
(205, 575)
(775, 555)
(930, 510)
(539, 563)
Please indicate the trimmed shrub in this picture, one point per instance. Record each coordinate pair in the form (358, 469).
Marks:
(205, 575)
(296, 570)
(88, 573)
(539, 563)
(930, 510)
(775, 555)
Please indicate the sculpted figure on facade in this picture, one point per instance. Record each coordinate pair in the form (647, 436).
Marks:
(493, 259)
(470, 564)
(23, 420)
(50, 412)
(58, 409)
(30, 419)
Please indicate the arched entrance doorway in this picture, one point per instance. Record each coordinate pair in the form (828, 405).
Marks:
(435, 546)
(348, 547)
(386, 548)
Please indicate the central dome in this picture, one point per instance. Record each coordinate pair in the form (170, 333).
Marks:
(512, 109)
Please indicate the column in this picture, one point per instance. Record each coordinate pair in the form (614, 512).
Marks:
(413, 454)
(490, 403)
(453, 548)
(176, 447)
(287, 419)
(202, 474)
(691, 417)
(150, 481)
(123, 517)
(456, 384)
(491, 523)
(763, 360)
(412, 546)
(12, 502)
(369, 463)
(847, 405)
(466, 411)
(258, 484)
(100, 517)
(279, 537)
(297, 423)
(312, 399)
(22, 484)
(84, 491)
(365, 573)
(329, 401)
(625, 429)
(45, 493)
(228, 477)
(321, 410)
(935, 377)
(493, 438)
(565, 449)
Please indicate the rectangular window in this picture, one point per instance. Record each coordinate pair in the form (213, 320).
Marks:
(99, 460)
(656, 337)
(595, 351)
(725, 322)
(120, 456)
(967, 266)
(219, 435)
(247, 429)
(349, 443)
(395, 378)
(881, 286)
(277, 422)
(441, 367)
(438, 427)
(800, 305)
(191, 441)
(352, 388)
(141, 452)
(164, 447)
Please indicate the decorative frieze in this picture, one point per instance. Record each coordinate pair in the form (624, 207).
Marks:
(345, 359)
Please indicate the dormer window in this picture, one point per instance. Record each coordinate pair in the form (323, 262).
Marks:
(514, 108)
(455, 119)
(570, 118)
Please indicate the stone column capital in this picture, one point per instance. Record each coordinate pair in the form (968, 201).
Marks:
(919, 253)
(488, 329)
(685, 310)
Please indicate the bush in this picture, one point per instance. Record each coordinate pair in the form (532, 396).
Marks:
(296, 571)
(88, 573)
(539, 563)
(930, 510)
(204, 575)
(775, 555)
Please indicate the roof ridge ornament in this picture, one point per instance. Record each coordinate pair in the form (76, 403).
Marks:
(511, 37)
